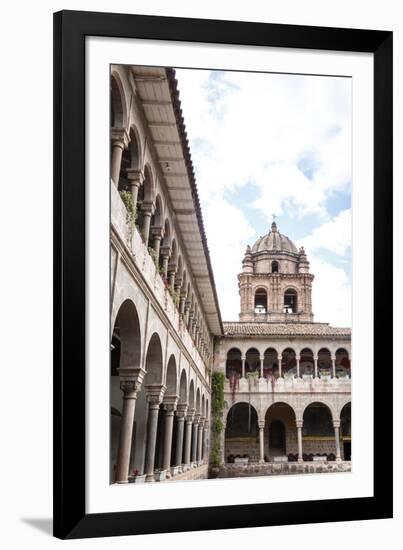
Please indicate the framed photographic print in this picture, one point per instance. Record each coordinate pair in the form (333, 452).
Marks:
(223, 253)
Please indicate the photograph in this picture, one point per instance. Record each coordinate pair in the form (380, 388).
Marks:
(230, 274)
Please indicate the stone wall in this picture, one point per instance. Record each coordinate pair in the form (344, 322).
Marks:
(193, 474)
(242, 446)
(270, 468)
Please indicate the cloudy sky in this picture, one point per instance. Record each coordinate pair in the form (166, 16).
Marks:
(265, 144)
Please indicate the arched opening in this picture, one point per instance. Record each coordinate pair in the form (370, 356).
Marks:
(280, 436)
(233, 365)
(290, 301)
(289, 363)
(260, 301)
(125, 352)
(274, 267)
(252, 361)
(116, 104)
(270, 363)
(318, 432)
(306, 364)
(343, 365)
(171, 378)
(145, 199)
(324, 362)
(345, 429)
(156, 226)
(241, 433)
(191, 396)
(198, 401)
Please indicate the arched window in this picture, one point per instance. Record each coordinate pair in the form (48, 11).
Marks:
(261, 301)
(274, 267)
(290, 301)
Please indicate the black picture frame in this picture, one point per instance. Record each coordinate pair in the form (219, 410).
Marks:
(70, 30)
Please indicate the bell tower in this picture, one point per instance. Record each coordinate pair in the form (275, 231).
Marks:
(275, 284)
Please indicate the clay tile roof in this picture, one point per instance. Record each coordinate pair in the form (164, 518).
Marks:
(284, 329)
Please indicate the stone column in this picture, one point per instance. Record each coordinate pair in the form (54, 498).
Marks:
(315, 366)
(280, 370)
(298, 367)
(299, 424)
(148, 210)
(120, 140)
(205, 443)
(243, 367)
(261, 368)
(164, 252)
(130, 384)
(200, 442)
(336, 426)
(157, 235)
(187, 309)
(333, 367)
(171, 277)
(222, 442)
(261, 441)
(188, 438)
(136, 179)
(181, 410)
(155, 393)
(170, 407)
(195, 432)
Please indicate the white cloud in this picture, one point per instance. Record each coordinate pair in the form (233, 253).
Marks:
(331, 294)
(228, 233)
(334, 235)
(288, 135)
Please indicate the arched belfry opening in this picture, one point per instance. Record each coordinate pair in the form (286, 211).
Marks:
(261, 300)
(290, 301)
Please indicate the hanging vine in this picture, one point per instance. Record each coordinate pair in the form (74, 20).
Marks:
(217, 409)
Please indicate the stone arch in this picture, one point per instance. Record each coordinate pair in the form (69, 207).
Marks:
(321, 408)
(280, 436)
(260, 303)
(306, 363)
(118, 102)
(343, 364)
(203, 406)
(135, 148)
(154, 360)
(198, 401)
(345, 430)
(288, 362)
(233, 365)
(324, 362)
(270, 363)
(171, 381)
(183, 390)
(125, 354)
(191, 395)
(241, 432)
(158, 216)
(290, 300)
(252, 361)
(147, 194)
(318, 431)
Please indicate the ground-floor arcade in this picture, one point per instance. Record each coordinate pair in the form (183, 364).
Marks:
(281, 432)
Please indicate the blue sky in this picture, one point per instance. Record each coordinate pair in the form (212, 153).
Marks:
(265, 144)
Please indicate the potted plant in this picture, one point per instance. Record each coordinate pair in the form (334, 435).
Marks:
(160, 474)
(136, 477)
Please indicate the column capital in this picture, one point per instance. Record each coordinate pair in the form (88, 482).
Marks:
(120, 137)
(131, 378)
(157, 232)
(181, 410)
(299, 423)
(155, 393)
(135, 176)
(170, 402)
(190, 415)
(261, 424)
(336, 423)
(196, 418)
(148, 207)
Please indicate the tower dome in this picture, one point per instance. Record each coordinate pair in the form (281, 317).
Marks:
(274, 241)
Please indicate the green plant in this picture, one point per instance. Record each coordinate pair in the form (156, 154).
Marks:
(217, 409)
(175, 295)
(153, 255)
(127, 199)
